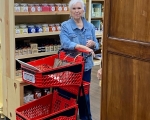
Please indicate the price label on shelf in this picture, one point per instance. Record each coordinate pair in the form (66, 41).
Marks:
(28, 77)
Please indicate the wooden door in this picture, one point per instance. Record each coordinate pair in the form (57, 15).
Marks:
(126, 60)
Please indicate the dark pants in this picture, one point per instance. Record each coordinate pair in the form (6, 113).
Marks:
(81, 100)
(82, 108)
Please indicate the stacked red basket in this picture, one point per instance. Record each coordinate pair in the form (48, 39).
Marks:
(43, 73)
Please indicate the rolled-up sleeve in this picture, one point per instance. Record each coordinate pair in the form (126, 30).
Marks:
(96, 47)
(66, 43)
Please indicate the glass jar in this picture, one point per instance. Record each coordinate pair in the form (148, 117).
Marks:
(64, 7)
(45, 7)
(31, 7)
(45, 28)
(46, 91)
(57, 27)
(24, 7)
(17, 29)
(58, 7)
(31, 29)
(23, 29)
(16, 7)
(52, 28)
(38, 8)
(37, 93)
(52, 7)
(28, 96)
(38, 28)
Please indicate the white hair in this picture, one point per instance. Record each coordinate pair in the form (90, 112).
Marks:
(73, 2)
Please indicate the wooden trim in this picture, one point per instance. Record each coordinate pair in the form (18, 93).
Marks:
(35, 55)
(41, 13)
(36, 34)
(104, 64)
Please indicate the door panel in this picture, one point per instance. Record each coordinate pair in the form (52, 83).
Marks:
(126, 60)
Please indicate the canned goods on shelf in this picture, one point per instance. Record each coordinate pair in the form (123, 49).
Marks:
(17, 29)
(52, 28)
(23, 29)
(52, 7)
(57, 27)
(64, 7)
(38, 28)
(58, 7)
(31, 7)
(23, 7)
(31, 29)
(17, 7)
(38, 8)
(45, 7)
(45, 27)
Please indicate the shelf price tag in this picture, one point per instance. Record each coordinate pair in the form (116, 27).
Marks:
(28, 77)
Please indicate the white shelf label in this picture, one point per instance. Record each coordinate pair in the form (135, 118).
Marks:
(28, 77)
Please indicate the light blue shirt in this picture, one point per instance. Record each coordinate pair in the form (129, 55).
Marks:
(71, 35)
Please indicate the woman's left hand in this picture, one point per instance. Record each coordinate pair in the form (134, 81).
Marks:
(90, 43)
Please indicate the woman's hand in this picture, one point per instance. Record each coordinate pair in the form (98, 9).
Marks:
(99, 74)
(90, 43)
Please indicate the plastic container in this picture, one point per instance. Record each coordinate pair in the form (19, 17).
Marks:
(38, 28)
(31, 8)
(52, 7)
(31, 29)
(45, 27)
(24, 7)
(17, 29)
(23, 29)
(38, 8)
(58, 7)
(50, 107)
(45, 7)
(52, 28)
(16, 7)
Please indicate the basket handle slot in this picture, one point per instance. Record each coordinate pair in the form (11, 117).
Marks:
(76, 68)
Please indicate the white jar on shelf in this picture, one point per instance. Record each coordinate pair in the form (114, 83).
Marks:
(16, 7)
(17, 29)
(23, 29)
(24, 7)
(45, 27)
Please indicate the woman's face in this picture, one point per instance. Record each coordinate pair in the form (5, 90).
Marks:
(77, 11)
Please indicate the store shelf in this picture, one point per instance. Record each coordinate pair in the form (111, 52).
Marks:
(98, 34)
(97, 62)
(98, 0)
(41, 13)
(35, 55)
(36, 34)
(95, 18)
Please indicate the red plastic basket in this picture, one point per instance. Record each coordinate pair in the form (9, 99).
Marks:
(75, 89)
(47, 107)
(47, 76)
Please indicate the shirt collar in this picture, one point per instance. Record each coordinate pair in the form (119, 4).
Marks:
(74, 26)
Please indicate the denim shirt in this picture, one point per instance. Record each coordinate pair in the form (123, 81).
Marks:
(71, 35)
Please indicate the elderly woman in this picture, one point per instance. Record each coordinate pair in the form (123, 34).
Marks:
(78, 34)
